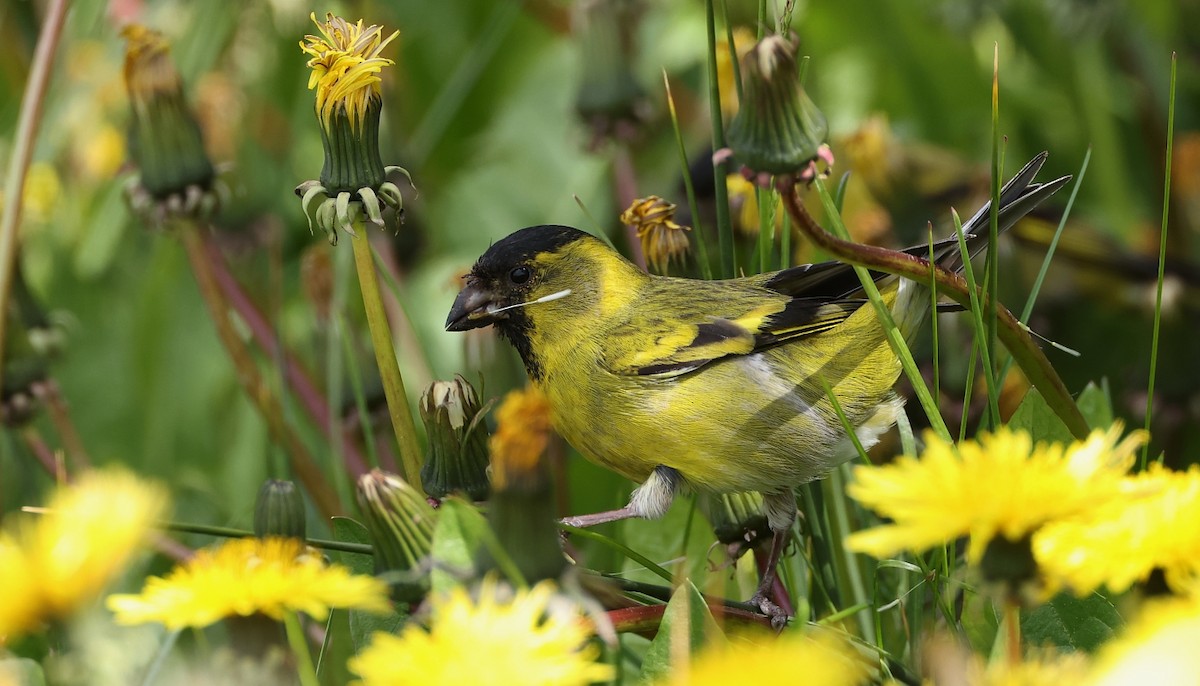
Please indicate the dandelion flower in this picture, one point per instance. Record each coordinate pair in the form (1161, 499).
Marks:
(346, 63)
(271, 576)
(663, 240)
(1156, 525)
(56, 563)
(345, 66)
(1000, 486)
(491, 641)
(522, 433)
(795, 658)
(1158, 646)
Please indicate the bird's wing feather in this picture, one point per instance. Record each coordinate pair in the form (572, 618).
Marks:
(690, 341)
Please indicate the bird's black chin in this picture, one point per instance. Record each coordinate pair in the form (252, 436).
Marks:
(473, 308)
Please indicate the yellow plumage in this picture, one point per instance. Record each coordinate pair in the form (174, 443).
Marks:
(715, 385)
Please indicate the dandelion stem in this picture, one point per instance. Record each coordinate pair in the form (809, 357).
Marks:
(251, 381)
(60, 417)
(44, 454)
(23, 143)
(299, 644)
(1012, 617)
(311, 399)
(1162, 260)
(720, 169)
(626, 189)
(385, 357)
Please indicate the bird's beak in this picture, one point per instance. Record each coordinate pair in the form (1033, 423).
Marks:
(472, 309)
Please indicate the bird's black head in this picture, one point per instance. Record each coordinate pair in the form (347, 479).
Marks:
(506, 277)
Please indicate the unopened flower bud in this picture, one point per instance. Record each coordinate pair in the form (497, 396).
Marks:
(610, 98)
(175, 173)
(778, 130)
(400, 523)
(279, 510)
(457, 458)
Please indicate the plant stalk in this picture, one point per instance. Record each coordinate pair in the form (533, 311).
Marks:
(23, 143)
(251, 381)
(385, 357)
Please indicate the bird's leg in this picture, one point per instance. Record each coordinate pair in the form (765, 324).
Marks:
(781, 514)
(651, 500)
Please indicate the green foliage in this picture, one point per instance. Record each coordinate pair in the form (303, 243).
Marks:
(1071, 623)
(686, 622)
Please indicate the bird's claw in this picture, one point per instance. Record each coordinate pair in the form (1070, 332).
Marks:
(773, 612)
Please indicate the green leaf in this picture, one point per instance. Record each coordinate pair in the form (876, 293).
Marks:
(687, 614)
(348, 530)
(1036, 417)
(459, 533)
(362, 624)
(1096, 405)
(365, 624)
(1070, 622)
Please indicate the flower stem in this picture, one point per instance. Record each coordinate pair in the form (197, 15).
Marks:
(60, 417)
(23, 142)
(1012, 617)
(299, 644)
(252, 382)
(385, 357)
(314, 404)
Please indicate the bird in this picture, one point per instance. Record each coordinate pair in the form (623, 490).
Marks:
(710, 385)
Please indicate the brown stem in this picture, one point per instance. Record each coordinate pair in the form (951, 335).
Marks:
(645, 620)
(44, 454)
(311, 399)
(60, 416)
(251, 381)
(23, 142)
(625, 186)
(1012, 333)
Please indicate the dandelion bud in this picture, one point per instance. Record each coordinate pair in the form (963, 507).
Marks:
(400, 523)
(663, 241)
(279, 510)
(738, 519)
(166, 144)
(609, 95)
(457, 458)
(521, 510)
(778, 130)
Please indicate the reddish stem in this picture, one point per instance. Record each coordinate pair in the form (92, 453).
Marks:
(311, 399)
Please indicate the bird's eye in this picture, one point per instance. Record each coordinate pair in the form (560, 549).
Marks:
(519, 275)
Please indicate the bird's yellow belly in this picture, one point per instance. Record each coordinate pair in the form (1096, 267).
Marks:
(759, 422)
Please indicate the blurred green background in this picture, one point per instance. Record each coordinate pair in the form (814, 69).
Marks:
(481, 109)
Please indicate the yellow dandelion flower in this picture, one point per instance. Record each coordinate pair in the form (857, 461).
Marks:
(1156, 525)
(1047, 670)
(1001, 485)
(522, 433)
(42, 191)
(492, 641)
(56, 563)
(795, 658)
(271, 576)
(662, 239)
(743, 40)
(1157, 647)
(345, 67)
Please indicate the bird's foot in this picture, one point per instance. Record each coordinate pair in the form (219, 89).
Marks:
(779, 618)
